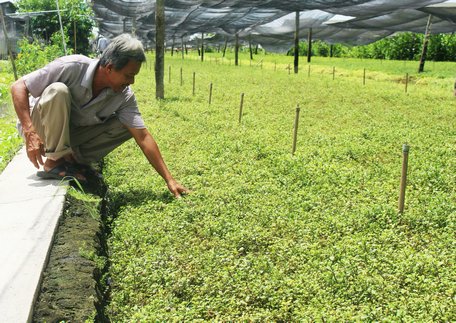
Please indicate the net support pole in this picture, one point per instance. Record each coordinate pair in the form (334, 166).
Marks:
(296, 44)
(425, 44)
(8, 47)
(202, 47)
(159, 49)
(224, 46)
(172, 47)
(236, 50)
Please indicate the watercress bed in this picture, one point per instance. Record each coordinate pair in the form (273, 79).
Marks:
(267, 236)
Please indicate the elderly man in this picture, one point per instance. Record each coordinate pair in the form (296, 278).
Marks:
(82, 109)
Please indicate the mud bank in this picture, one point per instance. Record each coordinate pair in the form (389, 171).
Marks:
(72, 288)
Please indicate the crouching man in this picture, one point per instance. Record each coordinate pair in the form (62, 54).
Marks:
(81, 109)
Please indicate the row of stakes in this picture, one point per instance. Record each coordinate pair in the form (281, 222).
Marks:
(260, 63)
(405, 147)
(289, 71)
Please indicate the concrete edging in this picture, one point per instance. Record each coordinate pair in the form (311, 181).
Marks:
(30, 209)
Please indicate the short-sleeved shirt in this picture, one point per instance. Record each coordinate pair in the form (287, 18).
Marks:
(77, 72)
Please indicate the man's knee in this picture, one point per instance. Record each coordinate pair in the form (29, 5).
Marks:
(55, 91)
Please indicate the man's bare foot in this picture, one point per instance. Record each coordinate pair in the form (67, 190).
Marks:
(52, 163)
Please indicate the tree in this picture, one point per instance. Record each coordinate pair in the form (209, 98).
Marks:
(76, 20)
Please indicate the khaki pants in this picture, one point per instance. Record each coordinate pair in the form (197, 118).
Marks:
(51, 119)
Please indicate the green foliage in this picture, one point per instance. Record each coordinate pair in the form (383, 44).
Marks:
(442, 47)
(321, 48)
(9, 139)
(76, 20)
(266, 236)
(401, 46)
(35, 55)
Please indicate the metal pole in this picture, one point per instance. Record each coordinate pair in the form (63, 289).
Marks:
(10, 53)
(61, 27)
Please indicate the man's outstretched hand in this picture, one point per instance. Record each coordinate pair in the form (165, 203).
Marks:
(177, 189)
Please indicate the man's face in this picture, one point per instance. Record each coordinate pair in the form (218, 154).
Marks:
(120, 79)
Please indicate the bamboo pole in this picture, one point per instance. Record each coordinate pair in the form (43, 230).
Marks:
(405, 152)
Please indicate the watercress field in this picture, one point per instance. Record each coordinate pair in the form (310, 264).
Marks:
(265, 235)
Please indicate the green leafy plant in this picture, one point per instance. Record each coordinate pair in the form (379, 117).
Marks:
(34, 55)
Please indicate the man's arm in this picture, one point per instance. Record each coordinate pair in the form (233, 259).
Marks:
(150, 149)
(33, 142)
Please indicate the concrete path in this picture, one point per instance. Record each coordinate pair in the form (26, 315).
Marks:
(29, 212)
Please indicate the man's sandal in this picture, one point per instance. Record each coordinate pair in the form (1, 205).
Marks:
(62, 172)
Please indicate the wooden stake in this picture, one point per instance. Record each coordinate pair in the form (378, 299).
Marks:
(194, 83)
(182, 80)
(210, 93)
(295, 135)
(240, 107)
(169, 74)
(405, 151)
(406, 82)
(364, 77)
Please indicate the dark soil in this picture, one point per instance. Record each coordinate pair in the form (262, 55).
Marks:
(72, 288)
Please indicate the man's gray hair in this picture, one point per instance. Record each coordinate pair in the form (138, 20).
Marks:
(121, 50)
